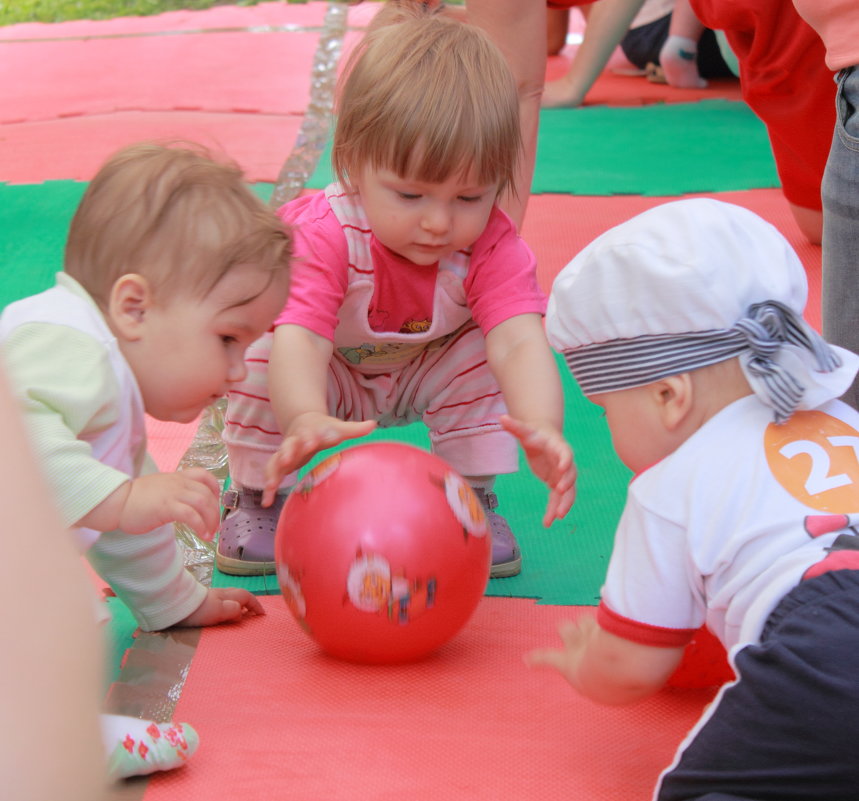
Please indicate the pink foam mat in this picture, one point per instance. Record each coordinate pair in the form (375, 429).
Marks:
(236, 79)
(75, 147)
(167, 442)
(274, 14)
(277, 719)
(231, 71)
(617, 87)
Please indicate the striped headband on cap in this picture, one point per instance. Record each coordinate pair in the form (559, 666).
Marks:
(624, 364)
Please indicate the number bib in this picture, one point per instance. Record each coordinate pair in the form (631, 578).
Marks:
(815, 457)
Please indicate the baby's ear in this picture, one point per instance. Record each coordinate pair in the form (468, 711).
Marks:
(674, 396)
(130, 300)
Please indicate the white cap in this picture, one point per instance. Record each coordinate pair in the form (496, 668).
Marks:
(687, 284)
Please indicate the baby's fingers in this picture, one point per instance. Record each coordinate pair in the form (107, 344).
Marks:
(292, 454)
(574, 633)
(546, 658)
(561, 497)
(203, 477)
(196, 502)
(355, 430)
(202, 522)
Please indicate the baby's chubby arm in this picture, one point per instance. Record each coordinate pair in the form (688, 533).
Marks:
(604, 667)
(143, 504)
(298, 383)
(522, 363)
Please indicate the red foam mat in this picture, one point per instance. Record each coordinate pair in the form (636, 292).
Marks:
(277, 719)
(75, 147)
(236, 79)
(167, 442)
(272, 14)
(559, 226)
(231, 71)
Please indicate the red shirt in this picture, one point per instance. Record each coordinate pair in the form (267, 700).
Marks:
(785, 81)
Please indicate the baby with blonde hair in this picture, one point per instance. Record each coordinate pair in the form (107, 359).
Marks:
(173, 267)
(413, 296)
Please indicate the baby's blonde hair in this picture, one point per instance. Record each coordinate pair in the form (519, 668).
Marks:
(427, 97)
(175, 215)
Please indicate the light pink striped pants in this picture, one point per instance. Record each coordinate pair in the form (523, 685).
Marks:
(449, 387)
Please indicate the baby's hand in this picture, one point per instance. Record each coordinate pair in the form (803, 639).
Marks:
(187, 496)
(308, 434)
(223, 605)
(551, 459)
(565, 660)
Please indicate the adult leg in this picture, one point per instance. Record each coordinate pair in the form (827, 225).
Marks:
(518, 27)
(841, 224)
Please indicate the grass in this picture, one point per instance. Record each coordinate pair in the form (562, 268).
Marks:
(14, 11)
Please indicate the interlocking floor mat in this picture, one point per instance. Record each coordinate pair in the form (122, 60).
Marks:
(277, 719)
(236, 79)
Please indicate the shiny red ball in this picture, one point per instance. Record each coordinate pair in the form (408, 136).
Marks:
(382, 552)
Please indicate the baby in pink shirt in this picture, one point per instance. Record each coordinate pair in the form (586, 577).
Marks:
(413, 297)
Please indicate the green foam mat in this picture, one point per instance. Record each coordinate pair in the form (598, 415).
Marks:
(564, 564)
(120, 636)
(34, 222)
(603, 150)
(608, 150)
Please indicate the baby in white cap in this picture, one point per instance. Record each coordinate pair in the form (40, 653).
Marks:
(685, 325)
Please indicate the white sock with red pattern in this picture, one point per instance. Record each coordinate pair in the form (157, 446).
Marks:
(136, 747)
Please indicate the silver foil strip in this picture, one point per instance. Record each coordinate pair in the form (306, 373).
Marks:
(313, 134)
(148, 687)
(207, 448)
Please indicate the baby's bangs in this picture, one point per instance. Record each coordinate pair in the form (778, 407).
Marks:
(428, 98)
(453, 136)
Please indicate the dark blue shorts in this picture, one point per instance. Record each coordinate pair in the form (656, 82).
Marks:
(788, 730)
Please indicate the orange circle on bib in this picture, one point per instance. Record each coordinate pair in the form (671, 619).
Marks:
(815, 457)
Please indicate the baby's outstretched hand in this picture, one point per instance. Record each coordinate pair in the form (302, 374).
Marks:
(223, 605)
(565, 660)
(308, 434)
(186, 496)
(551, 459)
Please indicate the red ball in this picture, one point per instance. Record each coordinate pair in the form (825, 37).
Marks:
(382, 552)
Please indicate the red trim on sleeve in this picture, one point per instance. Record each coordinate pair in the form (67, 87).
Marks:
(643, 633)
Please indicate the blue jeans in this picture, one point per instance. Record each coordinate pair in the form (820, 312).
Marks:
(840, 192)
